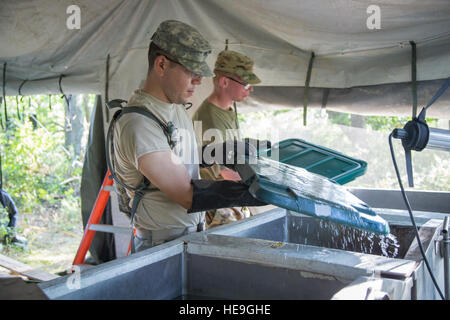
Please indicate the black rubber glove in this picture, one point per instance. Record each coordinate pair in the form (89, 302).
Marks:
(209, 195)
(228, 153)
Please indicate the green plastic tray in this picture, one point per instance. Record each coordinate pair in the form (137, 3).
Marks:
(317, 159)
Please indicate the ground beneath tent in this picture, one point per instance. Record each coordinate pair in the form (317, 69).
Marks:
(53, 239)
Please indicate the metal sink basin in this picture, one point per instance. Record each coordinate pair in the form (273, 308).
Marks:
(274, 255)
(292, 227)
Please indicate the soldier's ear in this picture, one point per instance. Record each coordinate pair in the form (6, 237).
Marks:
(223, 81)
(161, 65)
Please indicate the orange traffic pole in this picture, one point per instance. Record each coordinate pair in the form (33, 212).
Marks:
(94, 218)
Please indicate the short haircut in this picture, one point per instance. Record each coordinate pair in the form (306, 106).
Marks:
(153, 52)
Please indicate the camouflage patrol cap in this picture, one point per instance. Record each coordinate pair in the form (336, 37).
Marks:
(238, 64)
(185, 44)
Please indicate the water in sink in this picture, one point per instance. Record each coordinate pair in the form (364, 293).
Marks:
(328, 234)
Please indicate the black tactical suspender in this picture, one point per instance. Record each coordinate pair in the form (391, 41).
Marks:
(139, 191)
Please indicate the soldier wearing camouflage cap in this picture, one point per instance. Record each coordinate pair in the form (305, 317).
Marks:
(146, 148)
(217, 116)
(185, 44)
(237, 64)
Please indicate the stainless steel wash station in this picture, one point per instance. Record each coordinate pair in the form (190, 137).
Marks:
(274, 255)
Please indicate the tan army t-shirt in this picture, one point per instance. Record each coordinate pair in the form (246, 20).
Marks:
(136, 135)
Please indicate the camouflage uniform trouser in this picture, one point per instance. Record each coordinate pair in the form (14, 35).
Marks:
(146, 239)
(218, 217)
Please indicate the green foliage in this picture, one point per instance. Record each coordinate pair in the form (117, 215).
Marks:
(339, 118)
(385, 123)
(431, 168)
(378, 123)
(35, 163)
(42, 175)
(390, 123)
(277, 112)
(4, 220)
(241, 118)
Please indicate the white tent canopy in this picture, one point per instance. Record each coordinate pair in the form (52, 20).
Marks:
(356, 69)
(37, 45)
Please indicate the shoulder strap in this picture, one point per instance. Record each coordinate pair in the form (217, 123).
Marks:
(167, 129)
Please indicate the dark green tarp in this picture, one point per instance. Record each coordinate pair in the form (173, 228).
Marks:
(102, 248)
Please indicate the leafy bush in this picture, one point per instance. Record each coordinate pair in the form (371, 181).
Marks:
(431, 168)
(37, 169)
(4, 220)
(33, 165)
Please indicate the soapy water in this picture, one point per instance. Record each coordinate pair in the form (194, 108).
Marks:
(328, 234)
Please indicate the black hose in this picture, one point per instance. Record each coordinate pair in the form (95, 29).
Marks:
(412, 219)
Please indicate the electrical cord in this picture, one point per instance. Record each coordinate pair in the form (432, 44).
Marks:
(412, 218)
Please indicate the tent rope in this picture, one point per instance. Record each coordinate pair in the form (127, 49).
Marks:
(62, 92)
(20, 89)
(69, 111)
(4, 96)
(107, 87)
(306, 91)
(21, 99)
(326, 93)
(1, 173)
(414, 77)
